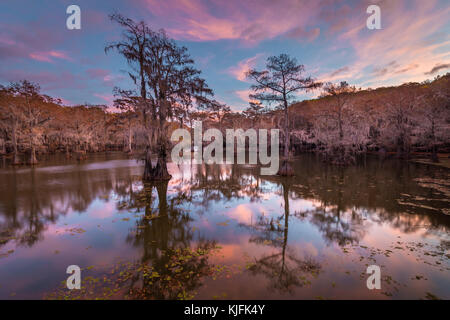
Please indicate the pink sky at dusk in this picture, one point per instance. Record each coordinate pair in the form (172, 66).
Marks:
(226, 38)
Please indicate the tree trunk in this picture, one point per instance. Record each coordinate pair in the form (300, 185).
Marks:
(16, 159)
(105, 146)
(33, 159)
(341, 131)
(148, 168)
(434, 156)
(130, 148)
(2, 146)
(81, 154)
(286, 131)
(400, 147)
(67, 152)
(285, 168)
(160, 172)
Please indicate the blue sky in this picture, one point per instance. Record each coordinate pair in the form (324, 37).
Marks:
(225, 38)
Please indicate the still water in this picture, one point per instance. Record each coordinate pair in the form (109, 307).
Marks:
(223, 231)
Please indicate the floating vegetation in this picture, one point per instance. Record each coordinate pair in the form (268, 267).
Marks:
(440, 185)
(162, 226)
(4, 255)
(433, 255)
(6, 236)
(75, 231)
(444, 163)
(436, 201)
(417, 205)
(176, 276)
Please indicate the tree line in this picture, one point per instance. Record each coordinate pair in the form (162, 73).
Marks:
(168, 92)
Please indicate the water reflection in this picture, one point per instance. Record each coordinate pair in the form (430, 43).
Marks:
(164, 234)
(33, 198)
(282, 267)
(294, 236)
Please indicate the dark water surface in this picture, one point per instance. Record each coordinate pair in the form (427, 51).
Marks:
(223, 231)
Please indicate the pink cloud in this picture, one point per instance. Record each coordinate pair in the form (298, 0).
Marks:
(300, 33)
(23, 40)
(249, 21)
(401, 52)
(48, 80)
(5, 40)
(48, 56)
(66, 102)
(105, 76)
(244, 95)
(109, 98)
(243, 66)
(97, 73)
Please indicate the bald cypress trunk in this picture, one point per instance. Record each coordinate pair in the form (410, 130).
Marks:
(434, 156)
(285, 168)
(160, 172)
(130, 148)
(148, 169)
(2, 146)
(33, 159)
(16, 159)
(67, 152)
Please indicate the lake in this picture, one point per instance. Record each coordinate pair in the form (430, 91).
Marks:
(224, 231)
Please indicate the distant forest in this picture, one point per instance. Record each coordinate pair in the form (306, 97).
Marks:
(405, 119)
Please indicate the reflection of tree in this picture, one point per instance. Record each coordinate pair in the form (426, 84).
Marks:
(335, 228)
(225, 182)
(165, 235)
(346, 202)
(27, 228)
(350, 195)
(171, 266)
(35, 218)
(283, 268)
(161, 228)
(346, 197)
(380, 192)
(33, 198)
(337, 223)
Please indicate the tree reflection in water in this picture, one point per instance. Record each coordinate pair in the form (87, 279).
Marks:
(343, 206)
(283, 268)
(171, 265)
(165, 236)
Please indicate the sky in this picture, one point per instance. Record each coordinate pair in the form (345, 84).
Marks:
(225, 38)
